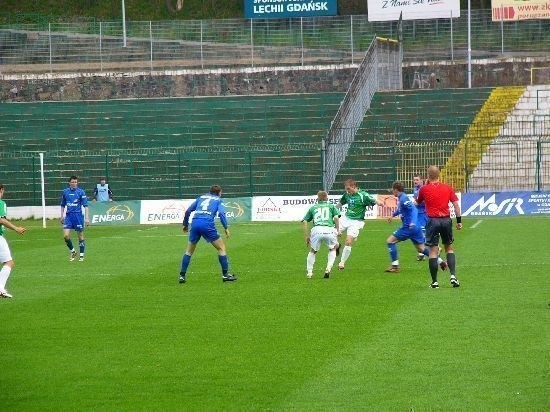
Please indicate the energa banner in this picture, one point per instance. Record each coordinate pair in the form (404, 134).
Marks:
(114, 213)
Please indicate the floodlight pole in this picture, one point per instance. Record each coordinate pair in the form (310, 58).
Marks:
(469, 45)
(123, 25)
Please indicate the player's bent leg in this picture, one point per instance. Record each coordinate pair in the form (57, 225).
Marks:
(222, 258)
(346, 252)
(310, 262)
(186, 260)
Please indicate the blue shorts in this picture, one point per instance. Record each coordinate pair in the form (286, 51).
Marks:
(202, 228)
(415, 234)
(421, 221)
(74, 221)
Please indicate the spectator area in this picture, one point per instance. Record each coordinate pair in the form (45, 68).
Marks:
(405, 130)
(163, 148)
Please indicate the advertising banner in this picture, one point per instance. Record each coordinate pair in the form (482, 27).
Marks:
(114, 213)
(386, 10)
(505, 203)
(158, 212)
(265, 9)
(238, 209)
(512, 10)
(293, 208)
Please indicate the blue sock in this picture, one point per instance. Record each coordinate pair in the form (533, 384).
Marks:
(224, 263)
(393, 251)
(185, 263)
(426, 251)
(81, 246)
(69, 243)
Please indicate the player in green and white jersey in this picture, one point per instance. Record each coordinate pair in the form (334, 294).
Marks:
(357, 202)
(325, 229)
(5, 254)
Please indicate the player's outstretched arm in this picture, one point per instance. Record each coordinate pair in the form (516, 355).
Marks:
(11, 226)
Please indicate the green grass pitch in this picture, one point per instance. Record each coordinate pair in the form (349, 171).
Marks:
(117, 332)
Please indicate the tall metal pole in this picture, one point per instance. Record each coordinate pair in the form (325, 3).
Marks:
(123, 25)
(42, 189)
(469, 45)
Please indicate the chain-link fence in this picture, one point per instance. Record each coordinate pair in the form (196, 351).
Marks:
(166, 173)
(101, 46)
(290, 169)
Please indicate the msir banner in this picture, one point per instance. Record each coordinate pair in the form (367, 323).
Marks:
(385, 10)
(264, 9)
(505, 203)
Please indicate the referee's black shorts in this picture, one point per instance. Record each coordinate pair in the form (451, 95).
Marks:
(436, 227)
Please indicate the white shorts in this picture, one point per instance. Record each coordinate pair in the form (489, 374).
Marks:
(5, 254)
(323, 234)
(351, 226)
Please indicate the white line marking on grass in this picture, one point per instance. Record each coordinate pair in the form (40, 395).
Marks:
(476, 224)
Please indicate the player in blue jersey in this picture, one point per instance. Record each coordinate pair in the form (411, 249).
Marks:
(422, 218)
(206, 207)
(73, 199)
(408, 230)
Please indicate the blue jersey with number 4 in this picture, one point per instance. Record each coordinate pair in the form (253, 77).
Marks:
(206, 208)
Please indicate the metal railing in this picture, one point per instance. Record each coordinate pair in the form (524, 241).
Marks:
(199, 44)
(379, 70)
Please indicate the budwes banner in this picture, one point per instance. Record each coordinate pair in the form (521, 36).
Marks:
(114, 213)
(264, 9)
(505, 203)
(294, 208)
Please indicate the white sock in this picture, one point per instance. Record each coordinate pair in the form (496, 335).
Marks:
(395, 263)
(310, 261)
(4, 275)
(439, 260)
(331, 259)
(345, 254)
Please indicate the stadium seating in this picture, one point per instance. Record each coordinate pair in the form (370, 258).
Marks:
(162, 148)
(406, 130)
(517, 158)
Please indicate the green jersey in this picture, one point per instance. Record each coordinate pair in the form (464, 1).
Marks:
(322, 214)
(357, 204)
(3, 212)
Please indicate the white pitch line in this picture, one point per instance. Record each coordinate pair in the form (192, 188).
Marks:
(476, 224)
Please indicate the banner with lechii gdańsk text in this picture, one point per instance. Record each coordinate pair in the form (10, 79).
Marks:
(265, 9)
(114, 213)
(386, 10)
(512, 10)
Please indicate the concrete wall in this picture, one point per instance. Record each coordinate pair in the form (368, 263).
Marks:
(226, 82)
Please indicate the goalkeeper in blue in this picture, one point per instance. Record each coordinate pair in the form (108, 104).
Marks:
(206, 208)
(326, 220)
(73, 200)
(410, 229)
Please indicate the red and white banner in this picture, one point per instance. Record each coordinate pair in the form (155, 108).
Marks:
(512, 10)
